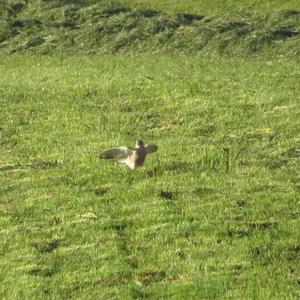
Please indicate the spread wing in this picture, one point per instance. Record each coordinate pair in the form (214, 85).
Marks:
(120, 153)
(151, 148)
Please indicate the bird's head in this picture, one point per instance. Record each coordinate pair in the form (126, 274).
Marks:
(139, 143)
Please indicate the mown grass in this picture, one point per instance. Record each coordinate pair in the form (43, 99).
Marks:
(91, 27)
(214, 214)
(210, 7)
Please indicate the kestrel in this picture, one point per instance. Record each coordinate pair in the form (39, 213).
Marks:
(132, 157)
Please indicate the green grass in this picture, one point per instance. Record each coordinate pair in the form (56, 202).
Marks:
(209, 7)
(183, 227)
(91, 27)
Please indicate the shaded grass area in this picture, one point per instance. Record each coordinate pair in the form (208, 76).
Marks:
(214, 214)
(211, 7)
(105, 27)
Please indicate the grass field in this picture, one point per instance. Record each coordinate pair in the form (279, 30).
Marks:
(209, 7)
(232, 28)
(214, 213)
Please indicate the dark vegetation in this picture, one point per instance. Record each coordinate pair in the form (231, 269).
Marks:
(70, 26)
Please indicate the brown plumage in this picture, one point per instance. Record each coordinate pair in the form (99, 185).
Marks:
(132, 157)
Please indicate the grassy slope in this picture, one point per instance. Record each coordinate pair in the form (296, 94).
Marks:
(209, 7)
(75, 226)
(46, 27)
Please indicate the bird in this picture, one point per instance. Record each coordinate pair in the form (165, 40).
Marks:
(133, 157)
